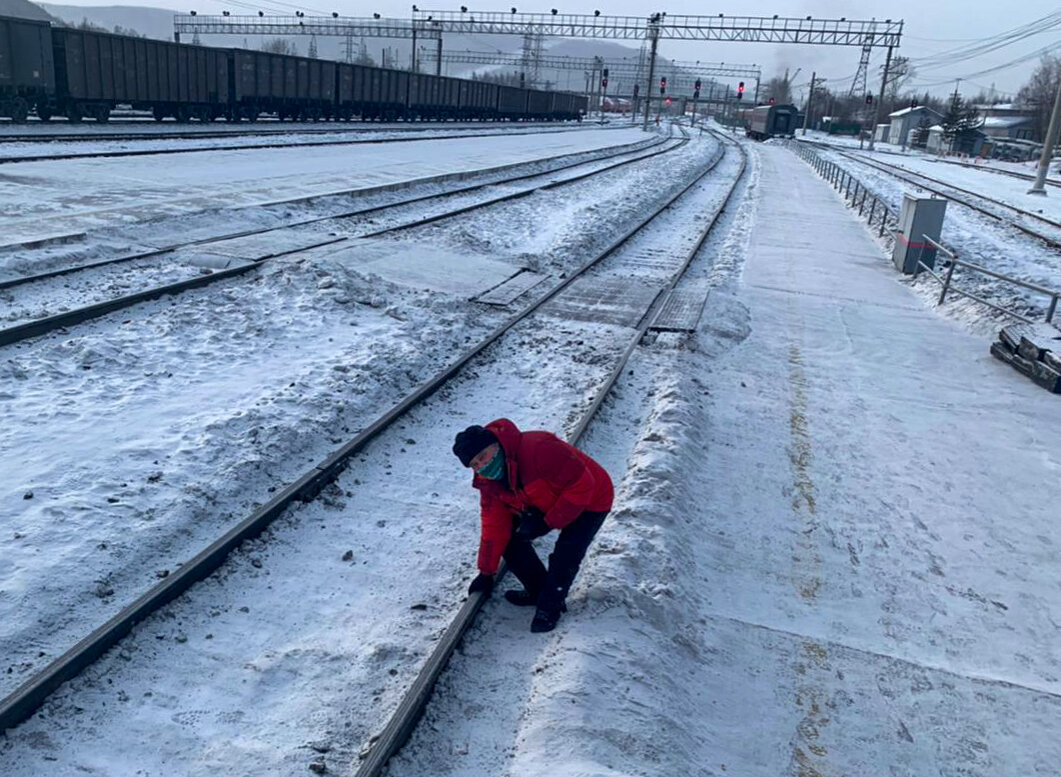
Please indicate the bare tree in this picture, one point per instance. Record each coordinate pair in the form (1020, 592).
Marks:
(780, 88)
(1038, 93)
(900, 72)
(280, 46)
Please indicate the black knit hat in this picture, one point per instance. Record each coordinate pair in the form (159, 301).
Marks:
(471, 441)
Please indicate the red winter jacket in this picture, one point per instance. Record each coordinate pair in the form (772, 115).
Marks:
(543, 472)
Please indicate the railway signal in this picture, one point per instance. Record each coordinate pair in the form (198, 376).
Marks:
(663, 85)
(696, 90)
(604, 79)
(869, 99)
(740, 90)
(772, 100)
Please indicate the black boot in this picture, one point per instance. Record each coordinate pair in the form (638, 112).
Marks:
(545, 620)
(523, 598)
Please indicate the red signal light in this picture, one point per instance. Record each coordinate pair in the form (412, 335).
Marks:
(663, 85)
(740, 90)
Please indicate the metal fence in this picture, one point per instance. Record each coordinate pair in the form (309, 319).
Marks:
(951, 261)
(886, 221)
(876, 212)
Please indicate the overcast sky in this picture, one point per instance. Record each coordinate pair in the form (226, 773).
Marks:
(930, 28)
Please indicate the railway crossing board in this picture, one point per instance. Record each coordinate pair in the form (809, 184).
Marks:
(512, 289)
(604, 300)
(680, 311)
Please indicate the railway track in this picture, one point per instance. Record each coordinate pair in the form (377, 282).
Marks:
(31, 694)
(1001, 171)
(259, 129)
(402, 722)
(999, 211)
(102, 154)
(50, 323)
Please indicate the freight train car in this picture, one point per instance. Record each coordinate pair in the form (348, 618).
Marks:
(291, 87)
(79, 73)
(539, 104)
(772, 121)
(511, 102)
(27, 73)
(478, 100)
(95, 71)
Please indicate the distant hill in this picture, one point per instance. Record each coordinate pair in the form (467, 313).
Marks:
(23, 9)
(152, 22)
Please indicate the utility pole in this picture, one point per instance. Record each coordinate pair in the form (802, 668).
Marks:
(653, 31)
(810, 102)
(1048, 147)
(880, 99)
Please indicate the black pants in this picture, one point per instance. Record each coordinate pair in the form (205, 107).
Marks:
(551, 586)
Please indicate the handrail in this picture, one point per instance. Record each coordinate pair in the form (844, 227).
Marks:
(954, 261)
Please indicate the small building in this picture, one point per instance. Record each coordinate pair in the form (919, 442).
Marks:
(1011, 127)
(971, 143)
(905, 121)
(883, 131)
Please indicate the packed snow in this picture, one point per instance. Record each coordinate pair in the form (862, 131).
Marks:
(67, 197)
(831, 552)
(53, 145)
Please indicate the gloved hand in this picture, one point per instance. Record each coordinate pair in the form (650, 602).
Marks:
(484, 583)
(531, 524)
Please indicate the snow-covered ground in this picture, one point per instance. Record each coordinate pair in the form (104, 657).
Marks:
(976, 238)
(831, 553)
(52, 147)
(974, 175)
(173, 417)
(544, 373)
(63, 197)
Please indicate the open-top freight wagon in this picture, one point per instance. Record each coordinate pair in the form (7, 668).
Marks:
(772, 121)
(27, 73)
(60, 71)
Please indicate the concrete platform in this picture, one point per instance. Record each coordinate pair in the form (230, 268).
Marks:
(880, 499)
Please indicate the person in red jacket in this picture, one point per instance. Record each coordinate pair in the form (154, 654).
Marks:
(529, 484)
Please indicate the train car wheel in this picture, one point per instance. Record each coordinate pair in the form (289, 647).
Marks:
(204, 114)
(158, 113)
(183, 114)
(73, 113)
(19, 110)
(44, 113)
(101, 113)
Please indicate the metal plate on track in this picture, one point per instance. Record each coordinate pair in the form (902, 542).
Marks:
(263, 246)
(680, 311)
(653, 260)
(620, 301)
(512, 289)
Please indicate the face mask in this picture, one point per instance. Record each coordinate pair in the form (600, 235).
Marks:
(496, 468)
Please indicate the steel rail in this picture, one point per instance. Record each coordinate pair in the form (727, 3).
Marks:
(10, 160)
(52, 323)
(402, 723)
(28, 697)
(615, 152)
(1000, 171)
(260, 128)
(917, 178)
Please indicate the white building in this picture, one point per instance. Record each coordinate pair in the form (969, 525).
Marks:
(905, 121)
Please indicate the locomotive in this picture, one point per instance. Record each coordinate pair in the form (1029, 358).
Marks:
(59, 71)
